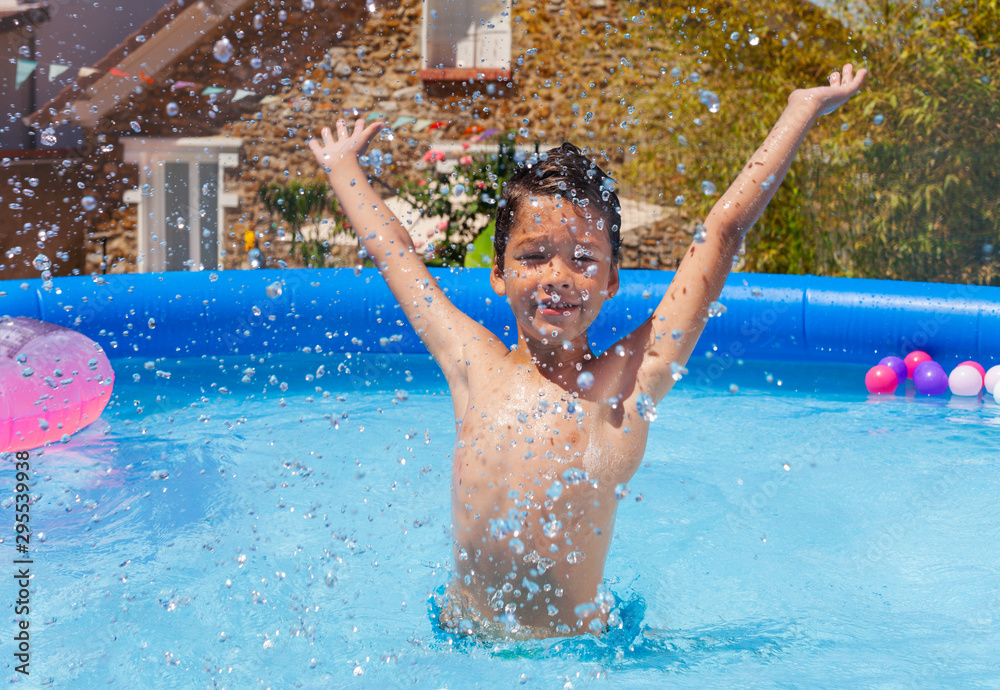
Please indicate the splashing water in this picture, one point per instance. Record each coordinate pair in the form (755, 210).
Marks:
(710, 101)
(308, 88)
(708, 188)
(552, 528)
(621, 491)
(716, 308)
(646, 407)
(677, 371)
(223, 49)
(274, 290)
(41, 263)
(699, 234)
(172, 109)
(555, 491)
(585, 380)
(574, 476)
(878, 120)
(88, 203)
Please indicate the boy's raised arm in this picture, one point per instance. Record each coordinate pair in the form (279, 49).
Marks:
(441, 326)
(675, 326)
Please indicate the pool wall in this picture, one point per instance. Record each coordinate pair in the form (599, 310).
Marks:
(768, 317)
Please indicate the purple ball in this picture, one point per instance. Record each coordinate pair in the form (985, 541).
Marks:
(929, 378)
(897, 365)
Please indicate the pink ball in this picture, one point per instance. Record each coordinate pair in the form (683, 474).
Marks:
(913, 359)
(881, 379)
(977, 366)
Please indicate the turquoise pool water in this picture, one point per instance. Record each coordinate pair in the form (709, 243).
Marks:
(243, 523)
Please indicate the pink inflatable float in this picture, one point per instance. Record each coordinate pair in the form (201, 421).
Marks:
(53, 382)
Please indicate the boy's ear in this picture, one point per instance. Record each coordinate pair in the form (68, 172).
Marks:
(613, 283)
(496, 280)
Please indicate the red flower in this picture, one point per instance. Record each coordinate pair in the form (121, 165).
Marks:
(434, 155)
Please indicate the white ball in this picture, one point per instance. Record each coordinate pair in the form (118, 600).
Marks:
(996, 392)
(965, 380)
(992, 378)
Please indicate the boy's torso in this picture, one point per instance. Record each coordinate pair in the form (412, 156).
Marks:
(533, 495)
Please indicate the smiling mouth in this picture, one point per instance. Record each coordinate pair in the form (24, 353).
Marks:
(551, 308)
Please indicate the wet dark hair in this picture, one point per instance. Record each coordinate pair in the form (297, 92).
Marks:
(560, 172)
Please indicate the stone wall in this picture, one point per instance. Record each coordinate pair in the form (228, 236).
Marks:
(562, 58)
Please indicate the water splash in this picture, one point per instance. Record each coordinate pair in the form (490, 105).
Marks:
(223, 49)
(646, 407)
(585, 380)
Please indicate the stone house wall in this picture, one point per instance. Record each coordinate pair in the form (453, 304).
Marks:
(373, 67)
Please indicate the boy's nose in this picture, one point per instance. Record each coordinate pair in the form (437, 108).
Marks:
(556, 276)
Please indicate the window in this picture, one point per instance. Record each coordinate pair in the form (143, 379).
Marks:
(463, 39)
(181, 200)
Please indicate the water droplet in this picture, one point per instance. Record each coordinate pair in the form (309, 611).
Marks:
(716, 308)
(878, 120)
(41, 263)
(733, 388)
(223, 50)
(677, 371)
(136, 127)
(677, 334)
(574, 476)
(699, 234)
(517, 546)
(710, 101)
(679, 199)
(574, 557)
(766, 184)
(308, 88)
(555, 491)
(585, 380)
(274, 290)
(588, 117)
(172, 109)
(88, 203)
(646, 407)
(27, 371)
(707, 188)
(695, 77)
(308, 5)
(552, 528)
(402, 396)
(621, 491)
(753, 39)
(258, 22)
(499, 529)
(151, 323)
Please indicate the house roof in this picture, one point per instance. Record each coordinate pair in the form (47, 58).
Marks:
(153, 47)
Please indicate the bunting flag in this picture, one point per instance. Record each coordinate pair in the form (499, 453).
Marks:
(24, 70)
(267, 100)
(85, 72)
(421, 125)
(402, 122)
(148, 80)
(181, 85)
(118, 73)
(55, 70)
(212, 90)
(241, 94)
(374, 116)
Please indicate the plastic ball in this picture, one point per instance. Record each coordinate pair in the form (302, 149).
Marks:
(978, 367)
(996, 392)
(929, 378)
(965, 380)
(881, 379)
(992, 378)
(913, 359)
(897, 365)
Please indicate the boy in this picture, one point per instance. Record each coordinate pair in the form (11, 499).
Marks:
(546, 431)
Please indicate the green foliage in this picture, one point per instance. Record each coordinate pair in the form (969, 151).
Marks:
(466, 200)
(297, 204)
(914, 198)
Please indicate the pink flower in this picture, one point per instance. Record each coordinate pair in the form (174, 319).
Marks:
(433, 155)
(465, 160)
(465, 145)
(443, 225)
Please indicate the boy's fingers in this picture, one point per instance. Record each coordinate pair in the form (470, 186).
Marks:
(341, 129)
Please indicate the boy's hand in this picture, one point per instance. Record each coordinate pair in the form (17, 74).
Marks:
(828, 98)
(331, 152)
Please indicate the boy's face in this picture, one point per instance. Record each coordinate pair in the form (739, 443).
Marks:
(558, 270)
